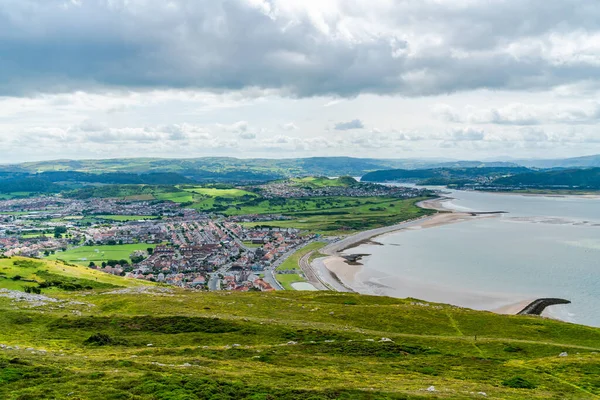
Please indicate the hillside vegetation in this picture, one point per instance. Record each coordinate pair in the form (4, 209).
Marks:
(442, 175)
(571, 178)
(162, 343)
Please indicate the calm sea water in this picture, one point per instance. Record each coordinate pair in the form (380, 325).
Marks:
(543, 247)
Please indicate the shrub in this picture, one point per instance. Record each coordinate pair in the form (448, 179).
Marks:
(102, 339)
(32, 289)
(518, 382)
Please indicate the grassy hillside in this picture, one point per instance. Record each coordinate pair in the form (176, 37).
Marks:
(160, 343)
(570, 178)
(17, 273)
(442, 175)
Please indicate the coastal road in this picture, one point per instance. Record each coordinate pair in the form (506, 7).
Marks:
(270, 279)
(310, 274)
(270, 272)
(337, 247)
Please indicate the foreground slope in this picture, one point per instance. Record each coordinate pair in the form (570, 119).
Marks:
(153, 342)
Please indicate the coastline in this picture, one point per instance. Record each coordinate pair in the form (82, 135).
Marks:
(341, 275)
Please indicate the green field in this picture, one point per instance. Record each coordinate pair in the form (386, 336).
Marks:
(320, 181)
(84, 254)
(216, 192)
(286, 345)
(286, 280)
(36, 235)
(124, 218)
(292, 262)
(176, 197)
(341, 215)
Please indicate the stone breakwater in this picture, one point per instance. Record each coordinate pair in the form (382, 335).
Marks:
(538, 306)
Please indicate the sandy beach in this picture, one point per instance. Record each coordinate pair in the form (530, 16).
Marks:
(338, 274)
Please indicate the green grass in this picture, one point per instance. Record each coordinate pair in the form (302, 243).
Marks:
(176, 197)
(319, 182)
(292, 262)
(32, 272)
(124, 218)
(251, 245)
(36, 235)
(84, 254)
(342, 215)
(286, 280)
(216, 192)
(284, 345)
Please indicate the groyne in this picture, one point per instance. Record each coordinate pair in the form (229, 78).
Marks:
(538, 306)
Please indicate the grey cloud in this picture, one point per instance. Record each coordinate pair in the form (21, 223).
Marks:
(467, 134)
(410, 48)
(346, 126)
(248, 135)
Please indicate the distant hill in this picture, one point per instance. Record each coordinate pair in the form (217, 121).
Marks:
(228, 169)
(577, 162)
(155, 178)
(58, 181)
(28, 185)
(441, 176)
(571, 178)
(234, 170)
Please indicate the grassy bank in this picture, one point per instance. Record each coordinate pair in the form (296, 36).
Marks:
(285, 345)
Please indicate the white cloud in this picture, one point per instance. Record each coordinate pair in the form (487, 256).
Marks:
(521, 114)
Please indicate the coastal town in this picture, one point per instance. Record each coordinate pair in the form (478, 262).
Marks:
(167, 242)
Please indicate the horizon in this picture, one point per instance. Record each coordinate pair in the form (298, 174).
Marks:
(430, 159)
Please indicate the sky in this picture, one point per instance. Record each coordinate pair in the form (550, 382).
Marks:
(460, 79)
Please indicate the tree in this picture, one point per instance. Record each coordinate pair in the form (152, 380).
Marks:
(150, 250)
(92, 264)
(59, 231)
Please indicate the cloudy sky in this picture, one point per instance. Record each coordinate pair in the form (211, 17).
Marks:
(470, 79)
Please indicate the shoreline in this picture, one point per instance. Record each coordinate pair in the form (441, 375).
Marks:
(341, 275)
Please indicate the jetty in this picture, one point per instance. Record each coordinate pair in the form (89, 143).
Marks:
(538, 306)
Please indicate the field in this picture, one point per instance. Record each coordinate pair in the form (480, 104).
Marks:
(150, 344)
(286, 280)
(340, 215)
(15, 195)
(316, 182)
(84, 254)
(123, 218)
(176, 197)
(36, 235)
(216, 192)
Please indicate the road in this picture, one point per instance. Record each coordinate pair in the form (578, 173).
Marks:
(310, 274)
(334, 248)
(270, 272)
(214, 282)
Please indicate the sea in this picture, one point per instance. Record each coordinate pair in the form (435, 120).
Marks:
(543, 246)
